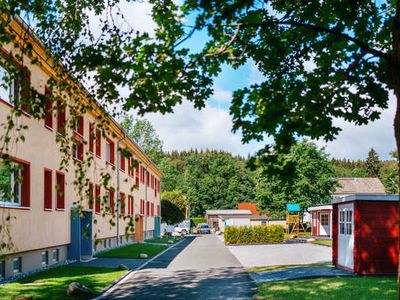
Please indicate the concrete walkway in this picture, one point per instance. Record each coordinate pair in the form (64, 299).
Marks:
(281, 254)
(297, 273)
(198, 268)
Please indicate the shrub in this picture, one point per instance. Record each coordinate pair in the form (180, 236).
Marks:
(254, 234)
(198, 220)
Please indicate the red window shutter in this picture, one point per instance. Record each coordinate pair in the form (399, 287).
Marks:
(60, 191)
(137, 181)
(48, 187)
(112, 201)
(112, 152)
(129, 166)
(122, 196)
(97, 199)
(98, 143)
(152, 209)
(122, 162)
(91, 199)
(48, 107)
(81, 125)
(26, 185)
(61, 117)
(80, 151)
(91, 138)
(147, 208)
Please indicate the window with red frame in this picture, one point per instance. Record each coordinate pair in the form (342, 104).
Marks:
(48, 187)
(122, 201)
(141, 206)
(97, 197)
(61, 117)
(91, 198)
(110, 151)
(78, 125)
(77, 150)
(130, 205)
(111, 195)
(60, 190)
(147, 212)
(15, 184)
(158, 210)
(98, 142)
(152, 209)
(137, 175)
(48, 109)
(147, 178)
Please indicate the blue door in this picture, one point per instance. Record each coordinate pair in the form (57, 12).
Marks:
(86, 234)
(81, 235)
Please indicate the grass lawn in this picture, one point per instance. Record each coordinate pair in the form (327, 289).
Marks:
(322, 242)
(276, 268)
(164, 240)
(53, 283)
(133, 251)
(330, 288)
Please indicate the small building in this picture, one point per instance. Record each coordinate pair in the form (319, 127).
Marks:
(321, 216)
(365, 233)
(249, 206)
(220, 218)
(321, 220)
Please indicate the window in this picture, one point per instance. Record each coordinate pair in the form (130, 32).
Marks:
(7, 91)
(130, 205)
(60, 190)
(141, 206)
(45, 258)
(15, 184)
(349, 222)
(341, 222)
(56, 255)
(109, 201)
(346, 222)
(17, 265)
(48, 187)
(91, 138)
(98, 143)
(324, 219)
(263, 223)
(77, 150)
(78, 125)
(110, 151)
(48, 107)
(61, 117)
(147, 208)
(2, 269)
(152, 209)
(158, 210)
(105, 243)
(109, 243)
(97, 199)
(147, 178)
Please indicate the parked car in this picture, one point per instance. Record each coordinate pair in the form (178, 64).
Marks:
(183, 227)
(203, 228)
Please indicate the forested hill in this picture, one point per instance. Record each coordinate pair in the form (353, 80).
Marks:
(208, 179)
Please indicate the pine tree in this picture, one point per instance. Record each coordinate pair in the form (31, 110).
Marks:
(373, 163)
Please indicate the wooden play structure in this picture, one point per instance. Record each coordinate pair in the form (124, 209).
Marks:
(293, 219)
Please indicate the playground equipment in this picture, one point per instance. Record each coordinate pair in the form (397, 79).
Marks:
(293, 219)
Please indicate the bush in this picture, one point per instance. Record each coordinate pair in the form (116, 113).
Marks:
(198, 220)
(254, 234)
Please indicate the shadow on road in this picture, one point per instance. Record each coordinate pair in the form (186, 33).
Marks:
(221, 283)
(164, 260)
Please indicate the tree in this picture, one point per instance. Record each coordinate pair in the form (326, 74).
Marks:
(173, 207)
(373, 163)
(312, 184)
(143, 132)
(389, 175)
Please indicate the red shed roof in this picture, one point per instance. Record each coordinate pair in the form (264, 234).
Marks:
(249, 206)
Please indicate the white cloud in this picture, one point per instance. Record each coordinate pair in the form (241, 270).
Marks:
(222, 96)
(354, 142)
(209, 128)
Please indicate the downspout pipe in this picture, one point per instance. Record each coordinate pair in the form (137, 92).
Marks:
(119, 153)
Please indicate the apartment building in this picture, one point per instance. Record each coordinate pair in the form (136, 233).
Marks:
(40, 216)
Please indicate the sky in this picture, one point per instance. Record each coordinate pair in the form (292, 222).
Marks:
(211, 127)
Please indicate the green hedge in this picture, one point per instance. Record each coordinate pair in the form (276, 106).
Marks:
(196, 221)
(254, 234)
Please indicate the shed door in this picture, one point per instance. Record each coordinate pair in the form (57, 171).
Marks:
(346, 235)
(324, 226)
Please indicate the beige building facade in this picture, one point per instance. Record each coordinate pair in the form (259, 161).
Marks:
(39, 216)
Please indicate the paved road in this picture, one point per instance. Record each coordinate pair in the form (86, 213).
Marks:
(281, 254)
(198, 268)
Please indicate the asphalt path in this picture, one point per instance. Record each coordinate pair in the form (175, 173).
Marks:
(200, 267)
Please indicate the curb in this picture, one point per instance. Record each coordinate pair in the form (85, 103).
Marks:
(110, 288)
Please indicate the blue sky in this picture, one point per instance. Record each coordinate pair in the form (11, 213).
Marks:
(210, 128)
